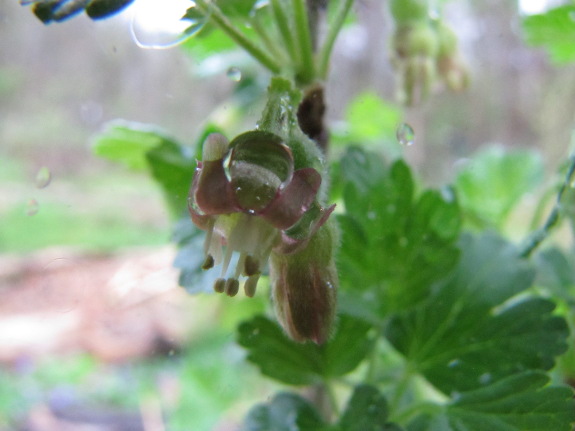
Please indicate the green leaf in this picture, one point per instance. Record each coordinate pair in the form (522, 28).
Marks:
(493, 182)
(394, 246)
(556, 272)
(370, 120)
(366, 410)
(467, 334)
(144, 147)
(521, 402)
(554, 30)
(285, 412)
(282, 359)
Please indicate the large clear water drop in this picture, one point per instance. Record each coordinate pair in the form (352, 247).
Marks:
(234, 74)
(405, 134)
(164, 24)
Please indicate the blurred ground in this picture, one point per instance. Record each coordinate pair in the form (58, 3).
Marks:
(115, 307)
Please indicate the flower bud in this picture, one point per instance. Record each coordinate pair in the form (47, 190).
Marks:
(304, 287)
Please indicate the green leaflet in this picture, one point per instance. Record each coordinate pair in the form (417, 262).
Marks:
(394, 245)
(145, 147)
(467, 334)
(302, 364)
(521, 402)
(553, 30)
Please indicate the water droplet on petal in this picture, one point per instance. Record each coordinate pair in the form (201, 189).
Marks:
(485, 378)
(32, 207)
(165, 24)
(234, 74)
(405, 134)
(43, 177)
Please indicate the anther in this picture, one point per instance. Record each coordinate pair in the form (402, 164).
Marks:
(220, 285)
(251, 266)
(232, 286)
(251, 284)
(208, 262)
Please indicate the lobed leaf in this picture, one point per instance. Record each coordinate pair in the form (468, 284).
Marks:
(554, 30)
(144, 147)
(285, 412)
(467, 334)
(520, 402)
(494, 181)
(366, 410)
(394, 245)
(282, 359)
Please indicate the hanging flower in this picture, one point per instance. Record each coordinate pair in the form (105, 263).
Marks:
(250, 200)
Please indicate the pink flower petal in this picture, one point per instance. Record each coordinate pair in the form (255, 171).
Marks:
(211, 191)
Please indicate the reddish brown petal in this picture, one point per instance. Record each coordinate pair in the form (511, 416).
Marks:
(211, 191)
(294, 200)
(291, 245)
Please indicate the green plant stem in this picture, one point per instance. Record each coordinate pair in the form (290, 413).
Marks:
(306, 74)
(283, 26)
(238, 37)
(329, 42)
(272, 47)
(552, 221)
(401, 388)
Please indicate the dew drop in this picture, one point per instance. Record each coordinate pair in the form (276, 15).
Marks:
(485, 378)
(43, 177)
(165, 24)
(234, 74)
(453, 363)
(32, 207)
(405, 134)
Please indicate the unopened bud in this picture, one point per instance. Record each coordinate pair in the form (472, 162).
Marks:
(304, 288)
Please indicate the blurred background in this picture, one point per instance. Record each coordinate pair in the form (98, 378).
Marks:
(94, 331)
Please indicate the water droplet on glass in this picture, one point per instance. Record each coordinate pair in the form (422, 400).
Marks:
(43, 177)
(32, 207)
(164, 24)
(405, 134)
(234, 74)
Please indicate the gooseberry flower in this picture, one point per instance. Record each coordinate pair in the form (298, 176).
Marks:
(251, 201)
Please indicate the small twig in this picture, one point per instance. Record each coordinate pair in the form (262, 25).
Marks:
(537, 237)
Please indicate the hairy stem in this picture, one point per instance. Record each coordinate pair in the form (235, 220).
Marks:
(552, 221)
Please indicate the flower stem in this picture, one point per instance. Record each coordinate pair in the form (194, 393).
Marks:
(271, 46)
(238, 37)
(307, 73)
(283, 26)
(334, 30)
(552, 221)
